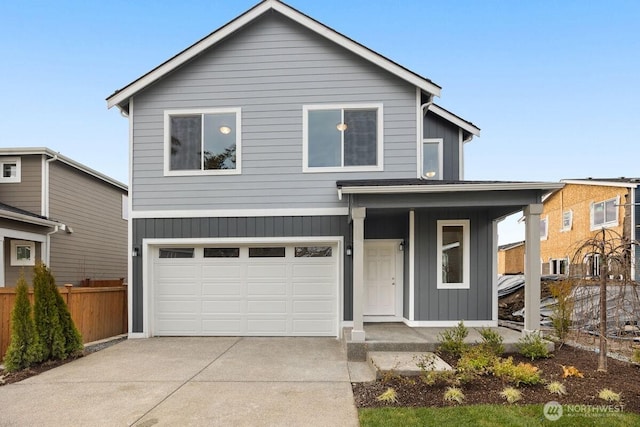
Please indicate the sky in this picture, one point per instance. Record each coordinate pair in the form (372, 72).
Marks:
(553, 85)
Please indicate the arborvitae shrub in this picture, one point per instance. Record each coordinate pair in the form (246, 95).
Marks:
(47, 314)
(24, 348)
(72, 337)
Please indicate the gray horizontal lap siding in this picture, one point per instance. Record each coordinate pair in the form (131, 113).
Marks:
(26, 194)
(270, 70)
(432, 303)
(186, 228)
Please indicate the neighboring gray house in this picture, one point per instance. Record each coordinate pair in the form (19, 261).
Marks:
(287, 180)
(56, 210)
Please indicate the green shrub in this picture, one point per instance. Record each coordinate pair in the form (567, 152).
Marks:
(476, 360)
(556, 387)
(72, 338)
(512, 395)
(24, 347)
(522, 373)
(454, 394)
(452, 340)
(389, 396)
(609, 395)
(492, 340)
(636, 356)
(533, 346)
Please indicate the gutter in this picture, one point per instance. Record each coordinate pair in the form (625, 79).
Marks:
(28, 219)
(448, 188)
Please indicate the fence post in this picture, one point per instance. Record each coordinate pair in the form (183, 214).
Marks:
(68, 287)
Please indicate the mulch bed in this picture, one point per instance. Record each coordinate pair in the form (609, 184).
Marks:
(622, 377)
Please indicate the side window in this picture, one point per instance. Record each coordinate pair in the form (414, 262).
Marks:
(431, 159)
(453, 254)
(205, 142)
(10, 169)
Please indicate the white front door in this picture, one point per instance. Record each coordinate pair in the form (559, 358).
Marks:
(382, 278)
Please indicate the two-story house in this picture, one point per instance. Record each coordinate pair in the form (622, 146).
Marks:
(65, 214)
(577, 212)
(287, 180)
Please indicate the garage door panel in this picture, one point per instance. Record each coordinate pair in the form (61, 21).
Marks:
(173, 270)
(219, 272)
(225, 306)
(178, 289)
(179, 326)
(311, 326)
(262, 288)
(317, 271)
(267, 326)
(310, 289)
(266, 271)
(178, 307)
(221, 289)
(266, 307)
(313, 306)
(223, 326)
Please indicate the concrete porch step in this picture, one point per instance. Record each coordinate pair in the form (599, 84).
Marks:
(405, 362)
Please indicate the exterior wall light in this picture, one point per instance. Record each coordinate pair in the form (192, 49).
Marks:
(341, 127)
(225, 130)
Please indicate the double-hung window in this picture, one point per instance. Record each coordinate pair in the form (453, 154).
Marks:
(202, 142)
(453, 254)
(605, 214)
(567, 220)
(10, 169)
(431, 159)
(342, 138)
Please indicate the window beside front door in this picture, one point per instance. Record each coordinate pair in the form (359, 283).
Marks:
(202, 142)
(342, 138)
(453, 255)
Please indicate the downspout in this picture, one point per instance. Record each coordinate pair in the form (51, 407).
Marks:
(46, 256)
(425, 109)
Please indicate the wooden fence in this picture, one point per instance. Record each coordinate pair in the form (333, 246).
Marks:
(97, 312)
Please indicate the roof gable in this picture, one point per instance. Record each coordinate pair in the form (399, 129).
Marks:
(121, 97)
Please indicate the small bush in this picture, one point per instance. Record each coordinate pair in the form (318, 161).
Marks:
(452, 340)
(609, 395)
(556, 388)
(561, 317)
(636, 356)
(511, 394)
(454, 394)
(24, 347)
(522, 373)
(476, 360)
(533, 346)
(492, 340)
(389, 396)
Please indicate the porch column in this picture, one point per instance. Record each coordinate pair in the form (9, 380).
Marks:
(532, 268)
(357, 216)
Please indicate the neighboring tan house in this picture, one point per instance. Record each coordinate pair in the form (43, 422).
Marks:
(511, 258)
(577, 212)
(56, 210)
(286, 180)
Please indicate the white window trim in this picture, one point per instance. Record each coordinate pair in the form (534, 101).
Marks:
(545, 218)
(609, 224)
(18, 162)
(186, 112)
(14, 255)
(570, 212)
(379, 143)
(125, 207)
(466, 259)
(440, 143)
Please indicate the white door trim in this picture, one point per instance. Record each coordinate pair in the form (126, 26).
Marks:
(150, 248)
(398, 316)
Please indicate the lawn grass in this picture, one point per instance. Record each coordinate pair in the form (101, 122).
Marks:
(489, 415)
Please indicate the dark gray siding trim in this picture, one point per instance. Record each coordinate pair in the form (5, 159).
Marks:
(457, 304)
(436, 127)
(237, 227)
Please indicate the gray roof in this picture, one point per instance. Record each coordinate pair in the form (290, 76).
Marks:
(5, 207)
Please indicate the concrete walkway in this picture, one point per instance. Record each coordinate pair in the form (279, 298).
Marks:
(191, 382)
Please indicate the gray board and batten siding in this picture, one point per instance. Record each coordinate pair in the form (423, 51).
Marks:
(270, 69)
(437, 127)
(97, 247)
(189, 228)
(25, 194)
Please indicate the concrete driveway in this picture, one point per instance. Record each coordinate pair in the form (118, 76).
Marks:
(191, 381)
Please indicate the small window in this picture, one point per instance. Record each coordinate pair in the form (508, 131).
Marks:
(313, 251)
(266, 252)
(221, 252)
(544, 228)
(176, 252)
(558, 267)
(202, 141)
(339, 138)
(605, 214)
(23, 253)
(431, 159)
(592, 265)
(567, 220)
(453, 255)
(11, 170)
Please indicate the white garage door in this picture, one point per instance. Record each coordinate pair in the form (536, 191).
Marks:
(275, 290)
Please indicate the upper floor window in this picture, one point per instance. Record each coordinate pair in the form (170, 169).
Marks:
(605, 214)
(202, 141)
(453, 254)
(544, 227)
(11, 169)
(567, 220)
(342, 138)
(431, 159)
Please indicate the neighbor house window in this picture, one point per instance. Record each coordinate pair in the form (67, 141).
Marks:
(11, 169)
(202, 141)
(558, 266)
(342, 138)
(605, 214)
(23, 253)
(592, 265)
(567, 220)
(453, 254)
(544, 228)
(431, 159)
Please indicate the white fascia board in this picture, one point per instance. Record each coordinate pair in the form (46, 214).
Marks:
(450, 188)
(473, 130)
(64, 159)
(220, 34)
(601, 183)
(230, 213)
(28, 219)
